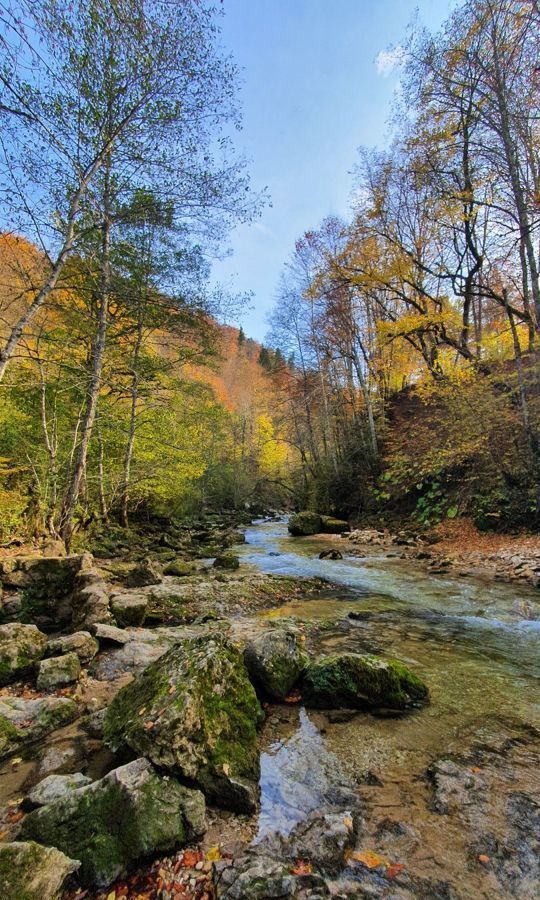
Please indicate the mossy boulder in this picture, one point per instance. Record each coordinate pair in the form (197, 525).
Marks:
(53, 787)
(29, 871)
(81, 642)
(130, 813)
(23, 721)
(305, 523)
(178, 567)
(361, 681)
(129, 609)
(334, 526)
(275, 662)
(21, 648)
(194, 711)
(147, 572)
(226, 561)
(58, 671)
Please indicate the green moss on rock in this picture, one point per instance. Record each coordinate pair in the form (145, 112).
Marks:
(21, 648)
(128, 814)
(361, 681)
(305, 523)
(195, 712)
(275, 662)
(29, 871)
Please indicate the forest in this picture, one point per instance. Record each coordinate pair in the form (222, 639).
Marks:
(400, 373)
(392, 411)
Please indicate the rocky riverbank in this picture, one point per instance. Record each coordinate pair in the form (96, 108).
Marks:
(455, 547)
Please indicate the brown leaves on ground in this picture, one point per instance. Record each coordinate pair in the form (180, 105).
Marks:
(302, 867)
(372, 860)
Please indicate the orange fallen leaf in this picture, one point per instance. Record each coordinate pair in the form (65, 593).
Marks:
(190, 858)
(148, 725)
(394, 869)
(302, 867)
(484, 859)
(476, 769)
(15, 817)
(348, 822)
(293, 697)
(369, 859)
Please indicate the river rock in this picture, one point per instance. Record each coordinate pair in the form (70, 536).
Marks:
(131, 812)
(304, 523)
(194, 711)
(129, 609)
(147, 572)
(275, 662)
(90, 597)
(179, 567)
(53, 787)
(323, 839)
(58, 671)
(264, 878)
(111, 634)
(82, 643)
(361, 681)
(21, 648)
(226, 561)
(330, 525)
(23, 721)
(331, 554)
(29, 871)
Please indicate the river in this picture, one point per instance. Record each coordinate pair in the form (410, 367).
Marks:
(468, 639)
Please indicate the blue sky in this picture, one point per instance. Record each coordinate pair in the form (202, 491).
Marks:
(311, 95)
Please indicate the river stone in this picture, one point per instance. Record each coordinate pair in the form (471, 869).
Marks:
(305, 523)
(90, 598)
(109, 824)
(361, 681)
(194, 711)
(259, 877)
(21, 648)
(58, 671)
(53, 787)
(147, 572)
(82, 643)
(334, 526)
(23, 721)
(275, 662)
(179, 567)
(331, 554)
(323, 838)
(29, 871)
(226, 561)
(111, 634)
(129, 609)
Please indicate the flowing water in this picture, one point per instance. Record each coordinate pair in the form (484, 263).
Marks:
(468, 639)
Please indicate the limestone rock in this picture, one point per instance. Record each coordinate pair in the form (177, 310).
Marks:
(275, 662)
(58, 671)
(199, 719)
(29, 871)
(129, 609)
(226, 561)
(82, 643)
(331, 554)
(90, 599)
(131, 812)
(304, 523)
(361, 681)
(21, 648)
(334, 526)
(264, 878)
(179, 567)
(23, 721)
(147, 572)
(111, 634)
(53, 787)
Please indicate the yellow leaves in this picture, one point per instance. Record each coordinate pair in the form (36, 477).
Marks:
(372, 860)
(213, 855)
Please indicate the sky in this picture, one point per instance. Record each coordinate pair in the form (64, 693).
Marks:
(317, 83)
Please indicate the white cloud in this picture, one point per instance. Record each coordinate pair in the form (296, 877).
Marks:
(389, 60)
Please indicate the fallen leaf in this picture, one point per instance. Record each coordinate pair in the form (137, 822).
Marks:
(17, 761)
(142, 711)
(369, 859)
(190, 858)
(484, 859)
(293, 697)
(111, 895)
(213, 854)
(394, 869)
(476, 769)
(15, 817)
(302, 867)
(148, 725)
(348, 822)
(226, 769)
